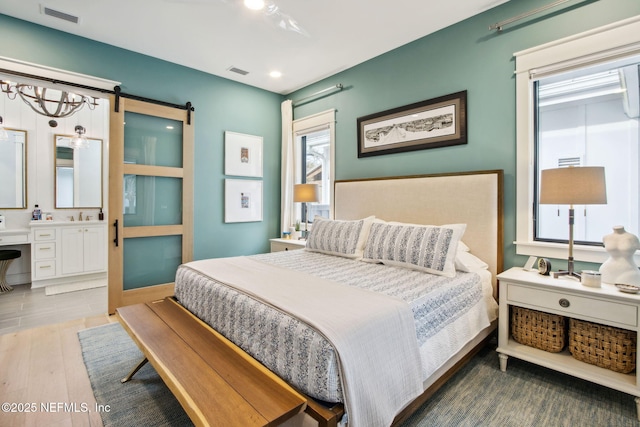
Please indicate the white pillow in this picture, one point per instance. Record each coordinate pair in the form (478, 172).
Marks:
(426, 248)
(341, 238)
(467, 262)
(462, 247)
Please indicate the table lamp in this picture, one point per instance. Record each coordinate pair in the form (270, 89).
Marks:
(306, 193)
(583, 185)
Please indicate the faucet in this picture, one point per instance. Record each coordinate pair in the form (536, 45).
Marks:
(80, 216)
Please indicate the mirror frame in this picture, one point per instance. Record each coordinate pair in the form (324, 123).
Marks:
(24, 171)
(55, 173)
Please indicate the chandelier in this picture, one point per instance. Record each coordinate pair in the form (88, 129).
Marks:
(48, 102)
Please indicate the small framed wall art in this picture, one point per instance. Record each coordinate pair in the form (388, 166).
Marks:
(242, 200)
(242, 155)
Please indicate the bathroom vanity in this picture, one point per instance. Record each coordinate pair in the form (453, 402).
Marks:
(64, 251)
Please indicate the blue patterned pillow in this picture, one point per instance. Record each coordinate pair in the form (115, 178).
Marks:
(341, 238)
(426, 248)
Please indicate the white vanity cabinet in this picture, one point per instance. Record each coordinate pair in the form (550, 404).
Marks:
(67, 251)
(82, 249)
(43, 253)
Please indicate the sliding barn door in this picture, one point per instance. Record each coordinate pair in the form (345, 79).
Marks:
(150, 199)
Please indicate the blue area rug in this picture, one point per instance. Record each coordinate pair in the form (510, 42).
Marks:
(479, 395)
(109, 355)
(526, 395)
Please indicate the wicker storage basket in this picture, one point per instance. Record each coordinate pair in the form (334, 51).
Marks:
(537, 329)
(603, 346)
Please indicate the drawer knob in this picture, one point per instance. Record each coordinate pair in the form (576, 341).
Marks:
(564, 303)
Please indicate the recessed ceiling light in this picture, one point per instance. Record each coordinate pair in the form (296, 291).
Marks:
(275, 74)
(254, 4)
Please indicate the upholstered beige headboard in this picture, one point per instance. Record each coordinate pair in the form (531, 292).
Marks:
(473, 198)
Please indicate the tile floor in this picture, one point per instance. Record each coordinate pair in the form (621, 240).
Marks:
(26, 308)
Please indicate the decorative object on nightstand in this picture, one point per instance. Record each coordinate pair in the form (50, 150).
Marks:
(620, 266)
(590, 278)
(296, 230)
(571, 185)
(628, 289)
(544, 266)
(306, 193)
(531, 261)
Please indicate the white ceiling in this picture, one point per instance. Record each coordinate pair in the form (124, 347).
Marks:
(215, 35)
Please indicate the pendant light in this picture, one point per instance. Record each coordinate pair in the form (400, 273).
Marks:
(79, 140)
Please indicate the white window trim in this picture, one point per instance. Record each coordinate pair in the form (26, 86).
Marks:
(605, 43)
(318, 121)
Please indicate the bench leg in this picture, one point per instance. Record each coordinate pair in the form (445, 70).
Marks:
(134, 370)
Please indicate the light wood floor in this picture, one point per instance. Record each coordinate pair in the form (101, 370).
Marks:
(25, 308)
(43, 368)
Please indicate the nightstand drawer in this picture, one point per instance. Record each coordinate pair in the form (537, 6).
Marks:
(277, 247)
(567, 304)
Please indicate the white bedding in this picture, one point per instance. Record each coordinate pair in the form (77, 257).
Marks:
(366, 329)
(439, 348)
(433, 299)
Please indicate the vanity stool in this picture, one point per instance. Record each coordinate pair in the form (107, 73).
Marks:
(6, 256)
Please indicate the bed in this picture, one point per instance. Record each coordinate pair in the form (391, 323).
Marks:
(385, 303)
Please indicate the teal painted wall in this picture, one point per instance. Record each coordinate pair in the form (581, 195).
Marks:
(465, 56)
(220, 105)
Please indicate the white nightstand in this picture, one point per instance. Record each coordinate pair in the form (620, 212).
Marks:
(567, 297)
(278, 245)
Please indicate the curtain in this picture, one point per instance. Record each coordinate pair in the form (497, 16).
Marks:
(288, 165)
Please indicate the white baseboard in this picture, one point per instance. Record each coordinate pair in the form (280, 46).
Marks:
(74, 286)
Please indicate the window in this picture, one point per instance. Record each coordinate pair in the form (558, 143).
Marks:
(577, 104)
(589, 117)
(314, 167)
(314, 162)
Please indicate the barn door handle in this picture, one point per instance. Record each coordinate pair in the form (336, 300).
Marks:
(115, 224)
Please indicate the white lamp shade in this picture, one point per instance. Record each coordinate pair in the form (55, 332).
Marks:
(306, 193)
(573, 186)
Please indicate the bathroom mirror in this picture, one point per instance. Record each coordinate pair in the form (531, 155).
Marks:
(78, 173)
(13, 168)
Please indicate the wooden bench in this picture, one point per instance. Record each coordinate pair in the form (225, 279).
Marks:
(214, 380)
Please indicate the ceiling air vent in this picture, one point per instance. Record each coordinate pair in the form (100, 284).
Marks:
(60, 15)
(238, 70)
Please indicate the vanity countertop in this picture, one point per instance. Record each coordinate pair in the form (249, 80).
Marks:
(63, 223)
